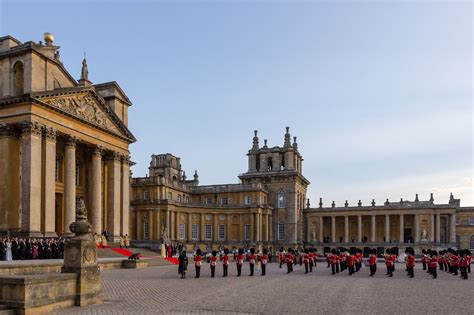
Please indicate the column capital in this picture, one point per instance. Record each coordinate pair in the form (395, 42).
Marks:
(72, 141)
(30, 128)
(7, 130)
(97, 150)
(50, 133)
(113, 156)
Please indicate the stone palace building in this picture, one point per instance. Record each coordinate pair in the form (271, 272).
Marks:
(60, 140)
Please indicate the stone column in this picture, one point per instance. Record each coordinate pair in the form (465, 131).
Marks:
(190, 226)
(359, 229)
(50, 182)
(321, 229)
(452, 228)
(333, 229)
(70, 183)
(125, 196)
(113, 195)
(308, 230)
(258, 226)
(216, 227)
(252, 227)
(346, 229)
(228, 227)
(402, 229)
(31, 179)
(269, 223)
(96, 195)
(432, 228)
(387, 228)
(172, 224)
(168, 222)
(373, 229)
(438, 229)
(202, 237)
(150, 225)
(417, 228)
(241, 228)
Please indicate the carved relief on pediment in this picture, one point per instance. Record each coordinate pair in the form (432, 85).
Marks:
(85, 107)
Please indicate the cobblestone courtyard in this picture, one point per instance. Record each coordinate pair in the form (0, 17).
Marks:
(160, 290)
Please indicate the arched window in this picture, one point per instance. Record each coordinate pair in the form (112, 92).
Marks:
(281, 230)
(269, 164)
(281, 199)
(471, 242)
(18, 78)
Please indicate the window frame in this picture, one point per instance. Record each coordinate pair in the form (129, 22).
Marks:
(195, 232)
(208, 232)
(247, 233)
(182, 231)
(281, 230)
(221, 229)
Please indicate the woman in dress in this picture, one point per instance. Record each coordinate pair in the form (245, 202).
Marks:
(183, 264)
(8, 256)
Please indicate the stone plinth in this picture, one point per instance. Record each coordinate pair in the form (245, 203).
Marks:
(134, 264)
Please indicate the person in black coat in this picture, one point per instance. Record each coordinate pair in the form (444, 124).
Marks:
(182, 264)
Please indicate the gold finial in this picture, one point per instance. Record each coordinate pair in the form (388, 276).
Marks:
(48, 38)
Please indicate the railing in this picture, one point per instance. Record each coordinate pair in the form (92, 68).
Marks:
(226, 188)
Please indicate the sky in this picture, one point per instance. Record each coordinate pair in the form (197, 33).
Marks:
(379, 94)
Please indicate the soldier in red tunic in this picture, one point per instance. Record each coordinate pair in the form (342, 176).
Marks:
(455, 262)
(311, 259)
(213, 262)
(252, 259)
(289, 260)
(433, 264)
(469, 260)
(351, 260)
(463, 263)
(305, 258)
(198, 262)
(239, 261)
(359, 259)
(410, 262)
(389, 262)
(264, 260)
(281, 256)
(225, 262)
(333, 257)
(373, 261)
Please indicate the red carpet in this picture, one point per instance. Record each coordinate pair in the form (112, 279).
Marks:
(122, 251)
(172, 260)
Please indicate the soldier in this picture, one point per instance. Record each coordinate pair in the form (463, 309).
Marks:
(455, 262)
(183, 264)
(373, 261)
(441, 260)
(311, 259)
(423, 258)
(239, 261)
(359, 259)
(463, 264)
(333, 257)
(264, 260)
(213, 262)
(389, 262)
(351, 261)
(252, 259)
(198, 262)
(289, 260)
(305, 258)
(433, 263)
(410, 262)
(225, 261)
(281, 256)
(469, 259)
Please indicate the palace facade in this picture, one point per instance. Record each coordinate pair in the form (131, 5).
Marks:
(60, 140)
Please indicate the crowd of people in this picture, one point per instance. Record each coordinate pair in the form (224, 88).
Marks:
(339, 260)
(19, 248)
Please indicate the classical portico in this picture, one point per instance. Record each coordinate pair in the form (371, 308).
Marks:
(61, 140)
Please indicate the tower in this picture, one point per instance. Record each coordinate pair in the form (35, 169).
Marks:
(279, 169)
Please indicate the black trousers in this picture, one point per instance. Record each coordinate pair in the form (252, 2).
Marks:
(264, 269)
(306, 268)
(424, 266)
(337, 268)
(390, 271)
(463, 272)
(310, 267)
(225, 270)
(455, 270)
(469, 268)
(333, 269)
(213, 271)
(239, 270)
(411, 272)
(373, 269)
(252, 266)
(441, 266)
(289, 267)
(434, 273)
(351, 270)
(198, 271)
(281, 263)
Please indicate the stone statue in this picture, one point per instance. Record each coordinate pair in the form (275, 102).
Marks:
(313, 233)
(164, 234)
(424, 235)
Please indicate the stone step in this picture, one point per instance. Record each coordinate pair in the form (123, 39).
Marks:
(5, 310)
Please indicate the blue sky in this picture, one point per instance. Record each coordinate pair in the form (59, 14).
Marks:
(378, 93)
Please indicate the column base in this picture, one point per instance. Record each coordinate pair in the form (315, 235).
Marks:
(50, 234)
(30, 234)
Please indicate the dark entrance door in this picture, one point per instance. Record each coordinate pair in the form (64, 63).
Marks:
(407, 237)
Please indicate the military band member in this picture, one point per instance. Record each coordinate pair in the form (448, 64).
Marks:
(239, 261)
(264, 260)
(433, 264)
(289, 260)
(333, 260)
(373, 261)
(305, 258)
(463, 263)
(198, 262)
(213, 262)
(424, 258)
(252, 259)
(469, 260)
(389, 262)
(311, 259)
(281, 256)
(225, 262)
(410, 262)
(455, 262)
(182, 264)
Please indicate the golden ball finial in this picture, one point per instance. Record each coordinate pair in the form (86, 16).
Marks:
(48, 38)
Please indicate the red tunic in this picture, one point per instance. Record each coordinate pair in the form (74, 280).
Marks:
(351, 260)
(433, 263)
(264, 259)
(213, 261)
(240, 259)
(305, 259)
(372, 260)
(454, 260)
(198, 260)
(251, 258)
(410, 261)
(289, 258)
(225, 260)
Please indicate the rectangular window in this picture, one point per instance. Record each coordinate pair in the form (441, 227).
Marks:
(281, 231)
(146, 195)
(195, 232)
(182, 231)
(247, 232)
(458, 221)
(170, 196)
(247, 200)
(221, 232)
(208, 235)
(187, 199)
(471, 221)
(224, 201)
(208, 200)
(281, 200)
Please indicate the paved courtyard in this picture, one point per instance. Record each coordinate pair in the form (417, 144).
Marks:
(160, 290)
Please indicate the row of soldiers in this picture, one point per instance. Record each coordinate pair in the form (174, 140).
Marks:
(451, 261)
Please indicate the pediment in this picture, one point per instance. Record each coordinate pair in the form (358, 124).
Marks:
(87, 106)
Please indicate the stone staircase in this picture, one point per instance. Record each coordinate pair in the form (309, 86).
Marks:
(5, 310)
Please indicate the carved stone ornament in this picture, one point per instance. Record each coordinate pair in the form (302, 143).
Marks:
(81, 227)
(31, 128)
(83, 106)
(208, 217)
(222, 217)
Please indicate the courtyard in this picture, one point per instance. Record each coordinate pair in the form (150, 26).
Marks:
(160, 290)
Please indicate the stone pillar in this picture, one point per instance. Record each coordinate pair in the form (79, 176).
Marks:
(252, 227)
(50, 182)
(96, 195)
(402, 229)
(258, 226)
(452, 228)
(190, 227)
(308, 230)
(31, 179)
(269, 224)
(321, 229)
(333, 229)
(432, 228)
(346, 229)
(359, 229)
(241, 228)
(113, 195)
(168, 221)
(202, 237)
(150, 225)
(417, 228)
(70, 183)
(228, 227)
(216, 227)
(373, 229)
(438, 228)
(125, 196)
(387, 228)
